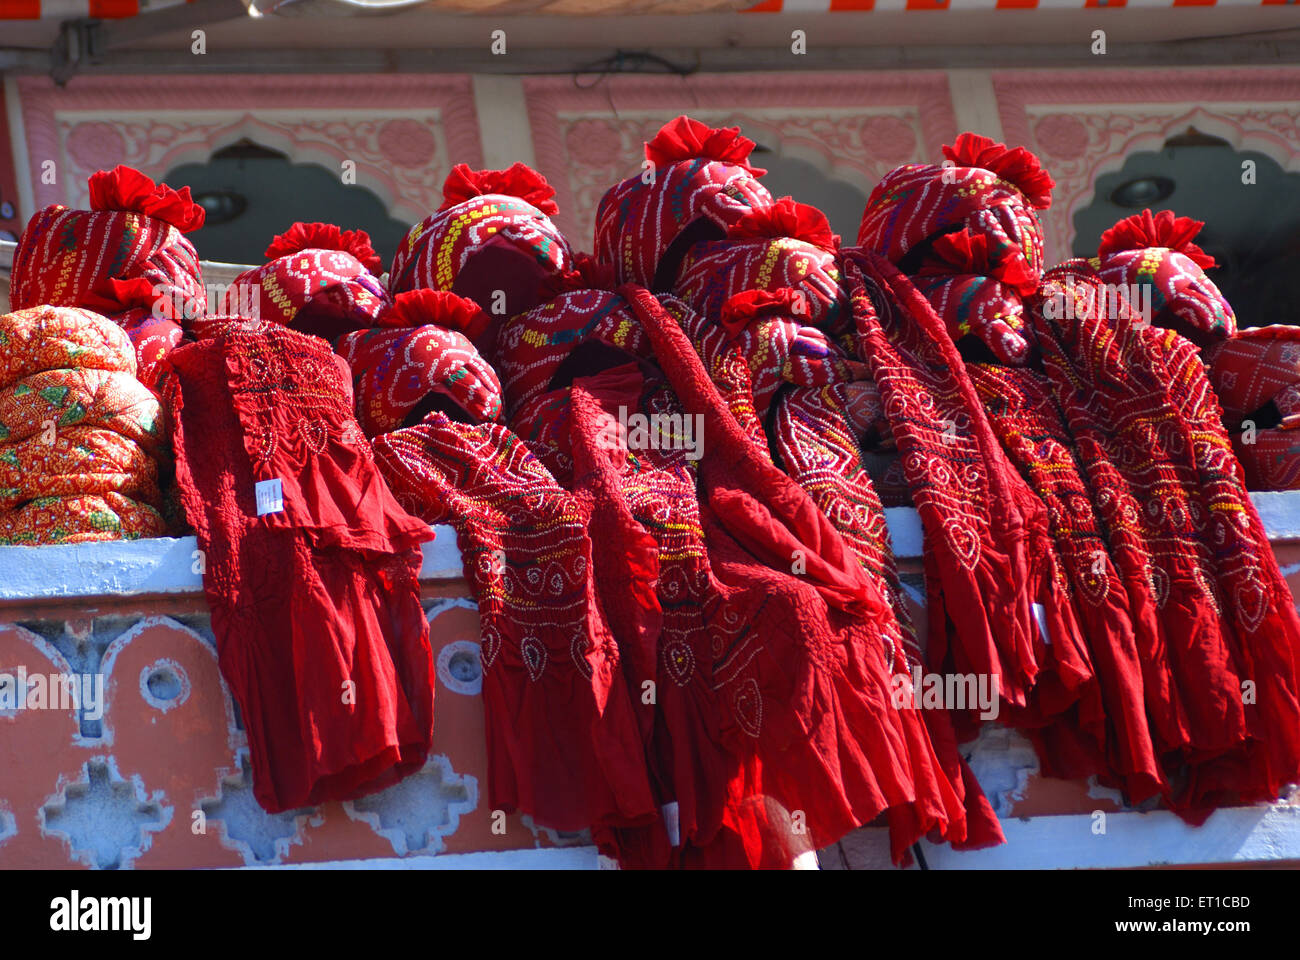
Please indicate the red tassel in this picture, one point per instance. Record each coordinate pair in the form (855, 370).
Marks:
(325, 236)
(686, 139)
(962, 252)
(1017, 167)
(785, 218)
(415, 308)
(744, 308)
(125, 188)
(1164, 229)
(519, 180)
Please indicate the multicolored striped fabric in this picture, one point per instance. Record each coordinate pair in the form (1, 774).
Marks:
(697, 181)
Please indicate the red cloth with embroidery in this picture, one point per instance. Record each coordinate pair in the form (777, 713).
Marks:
(808, 704)
(1209, 606)
(1105, 729)
(986, 531)
(818, 405)
(316, 608)
(562, 740)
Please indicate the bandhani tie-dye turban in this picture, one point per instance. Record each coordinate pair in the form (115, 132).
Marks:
(768, 329)
(72, 397)
(785, 245)
(127, 251)
(579, 330)
(1256, 376)
(492, 240)
(1154, 259)
(49, 338)
(79, 460)
(80, 519)
(698, 182)
(973, 216)
(318, 279)
(956, 278)
(78, 431)
(402, 373)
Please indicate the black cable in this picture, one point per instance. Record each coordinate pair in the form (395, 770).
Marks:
(920, 857)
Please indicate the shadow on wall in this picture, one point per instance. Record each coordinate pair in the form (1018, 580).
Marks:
(1251, 228)
(251, 193)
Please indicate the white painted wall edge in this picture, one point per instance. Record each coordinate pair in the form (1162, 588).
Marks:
(165, 565)
(1258, 834)
(125, 568)
(558, 858)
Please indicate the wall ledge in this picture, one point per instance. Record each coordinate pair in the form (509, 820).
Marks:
(169, 566)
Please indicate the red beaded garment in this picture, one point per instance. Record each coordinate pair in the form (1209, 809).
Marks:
(315, 605)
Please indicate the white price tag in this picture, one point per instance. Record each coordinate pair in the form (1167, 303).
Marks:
(270, 496)
(672, 822)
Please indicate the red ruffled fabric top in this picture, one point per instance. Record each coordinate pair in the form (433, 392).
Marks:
(963, 252)
(415, 308)
(325, 236)
(1016, 166)
(1163, 229)
(786, 218)
(125, 188)
(518, 180)
(741, 310)
(685, 138)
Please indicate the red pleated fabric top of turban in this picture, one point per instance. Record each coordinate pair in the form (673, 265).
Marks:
(698, 182)
(492, 240)
(318, 279)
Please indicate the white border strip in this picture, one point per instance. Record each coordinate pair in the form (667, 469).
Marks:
(1234, 835)
(125, 568)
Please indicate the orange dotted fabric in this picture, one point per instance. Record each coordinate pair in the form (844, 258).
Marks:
(80, 519)
(48, 338)
(79, 460)
(53, 400)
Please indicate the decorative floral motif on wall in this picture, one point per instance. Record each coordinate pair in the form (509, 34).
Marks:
(1084, 123)
(402, 132)
(853, 127)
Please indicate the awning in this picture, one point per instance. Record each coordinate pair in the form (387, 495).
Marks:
(78, 9)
